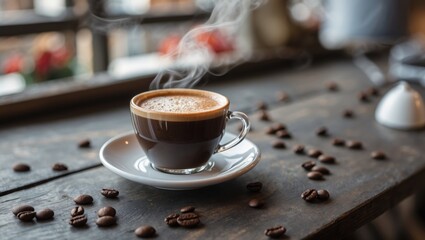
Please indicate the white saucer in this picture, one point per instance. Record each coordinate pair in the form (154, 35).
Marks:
(123, 156)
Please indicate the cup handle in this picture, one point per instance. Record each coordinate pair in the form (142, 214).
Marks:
(245, 129)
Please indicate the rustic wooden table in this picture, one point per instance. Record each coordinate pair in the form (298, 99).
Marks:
(361, 188)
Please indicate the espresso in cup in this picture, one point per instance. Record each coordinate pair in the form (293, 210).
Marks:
(180, 129)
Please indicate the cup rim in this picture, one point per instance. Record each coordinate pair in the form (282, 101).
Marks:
(179, 116)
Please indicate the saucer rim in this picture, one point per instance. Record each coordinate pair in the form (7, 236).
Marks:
(183, 183)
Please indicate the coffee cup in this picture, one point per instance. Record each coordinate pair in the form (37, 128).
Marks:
(180, 129)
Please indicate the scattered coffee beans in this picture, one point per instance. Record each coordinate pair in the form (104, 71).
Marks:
(45, 214)
(298, 149)
(275, 232)
(338, 142)
(348, 113)
(106, 211)
(84, 143)
(378, 155)
(323, 194)
(278, 126)
(332, 86)
(187, 209)
(78, 221)
(188, 220)
(145, 231)
(363, 97)
(21, 167)
(83, 199)
(314, 175)
(283, 134)
(322, 131)
(320, 169)
(314, 153)
(261, 105)
(270, 130)
(308, 165)
(59, 167)
(373, 91)
(21, 208)
(278, 144)
(282, 96)
(354, 144)
(106, 221)
(254, 186)
(326, 159)
(171, 220)
(110, 193)
(309, 195)
(77, 211)
(26, 216)
(256, 203)
(264, 116)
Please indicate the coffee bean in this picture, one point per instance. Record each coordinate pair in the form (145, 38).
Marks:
(278, 144)
(275, 232)
(314, 153)
(332, 86)
(338, 142)
(256, 203)
(187, 209)
(348, 113)
(26, 216)
(171, 220)
(261, 105)
(270, 131)
(283, 134)
(282, 96)
(21, 167)
(308, 165)
(322, 131)
(21, 208)
(354, 144)
(315, 175)
(373, 91)
(83, 199)
(106, 211)
(309, 195)
(278, 126)
(85, 143)
(323, 194)
(145, 231)
(59, 167)
(320, 169)
(188, 220)
(363, 97)
(264, 116)
(298, 149)
(77, 211)
(45, 214)
(78, 221)
(106, 221)
(254, 186)
(326, 159)
(110, 193)
(378, 155)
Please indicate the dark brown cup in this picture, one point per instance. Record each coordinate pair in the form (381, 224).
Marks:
(183, 142)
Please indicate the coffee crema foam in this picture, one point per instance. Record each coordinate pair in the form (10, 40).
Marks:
(180, 103)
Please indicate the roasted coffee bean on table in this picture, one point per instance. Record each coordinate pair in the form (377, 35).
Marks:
(332, 86)
(59, 167)
(322, 131)
(188, 220)
(171, 220)
(106, 221)
(323, 194)
(45, 214)
(283, 134)
(278, 126)
(26, 216)
(363, 97)
(348, 113)
(77, 211)
(187, 209)
(354, 144)
(314, 153)
(264, 116)
(83, 199)
(372, 91)
(278, 144)
(298, 149)
(309, 195)
(338, 142)
(378, 155)
(78, 221)
(275, 232)
(22, 208)
(254, 186)
(314, 175)
(110, 193)
(145, 231)
(326, 159)
(308, 165)
(256, 203)
(282, 96)
(261, 105)
(85, 143)
(321, 169)
(106, 211)
(21, 167)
